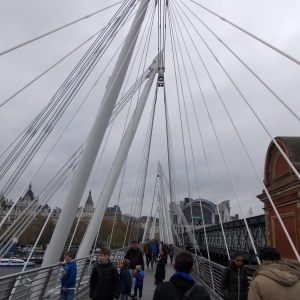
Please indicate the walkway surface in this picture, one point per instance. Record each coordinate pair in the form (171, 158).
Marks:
(149, 286)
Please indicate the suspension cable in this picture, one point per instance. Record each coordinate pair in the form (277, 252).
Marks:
(28, 162)
(253, 73)
(221, 223)
(175, 58)
(275, 142)
(57, 29)
(250, 34)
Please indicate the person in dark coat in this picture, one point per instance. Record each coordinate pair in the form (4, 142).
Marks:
(104, 280)
(181, 282)
(154, 252)
(171, 252)
(234, 284)
(160, 272)
(135, 256)
(125, 280)
(147, 250)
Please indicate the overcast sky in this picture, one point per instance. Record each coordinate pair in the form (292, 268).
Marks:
(276, 22)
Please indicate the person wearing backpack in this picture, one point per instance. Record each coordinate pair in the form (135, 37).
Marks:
(135, 256)
(181, 285)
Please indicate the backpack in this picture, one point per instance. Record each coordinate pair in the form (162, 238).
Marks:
(186, 295)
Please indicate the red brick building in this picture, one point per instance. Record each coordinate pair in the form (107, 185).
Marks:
(284, 189)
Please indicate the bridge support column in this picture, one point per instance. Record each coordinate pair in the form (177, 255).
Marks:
(95, 138)
(114, 173)
(166, 207)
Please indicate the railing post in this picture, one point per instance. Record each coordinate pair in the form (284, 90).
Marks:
(45, 283)
(9, 289)
(82, 273)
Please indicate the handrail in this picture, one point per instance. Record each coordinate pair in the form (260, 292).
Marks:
(20, 285)
(208, 272)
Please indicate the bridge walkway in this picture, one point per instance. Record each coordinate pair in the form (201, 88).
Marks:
(149, 286)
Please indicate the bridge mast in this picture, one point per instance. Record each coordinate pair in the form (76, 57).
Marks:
(95, 138)
(116, 168)
(165, 205)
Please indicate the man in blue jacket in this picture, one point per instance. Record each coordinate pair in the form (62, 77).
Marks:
(68, 280)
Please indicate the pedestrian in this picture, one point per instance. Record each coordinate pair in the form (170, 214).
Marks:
(139, 276)
(68, 280)
(171, 252)
(181, 284)
(275, 278)
(157, 248)
(119, 266)
(160, 272)
(125, 280)
(135, 256)
(234, 284)
(104, 280)
(147, 250)
(154, 252)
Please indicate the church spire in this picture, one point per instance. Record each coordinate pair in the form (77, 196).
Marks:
(89, 199)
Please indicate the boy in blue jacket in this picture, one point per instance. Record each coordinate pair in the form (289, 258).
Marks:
(139, 281)
(68, 280)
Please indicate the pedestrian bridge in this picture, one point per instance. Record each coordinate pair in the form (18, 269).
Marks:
(25, 285)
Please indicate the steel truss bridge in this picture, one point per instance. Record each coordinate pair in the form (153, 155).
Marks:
(237, 238)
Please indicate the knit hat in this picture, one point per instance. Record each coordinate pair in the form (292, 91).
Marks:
(269, 253)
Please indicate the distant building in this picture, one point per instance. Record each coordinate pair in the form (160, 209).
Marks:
(88, 208)
(28, 201)
(111, 212)
(198, 213)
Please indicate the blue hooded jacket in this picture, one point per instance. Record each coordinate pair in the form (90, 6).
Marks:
(68, 279)
(139, 278)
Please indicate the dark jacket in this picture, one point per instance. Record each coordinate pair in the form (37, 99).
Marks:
(171, 250)
(234, 283)
(177, 287)
(104, 282)
(160, 272)
(125, 281)
(68, 279)
(147, 249)
(135, 257)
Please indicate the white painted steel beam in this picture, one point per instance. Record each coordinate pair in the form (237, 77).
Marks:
(166, 207)
(114, 173)
(95, 138)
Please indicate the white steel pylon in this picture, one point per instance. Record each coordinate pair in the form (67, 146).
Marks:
(165, 206)
(95, 138)
(116, 168)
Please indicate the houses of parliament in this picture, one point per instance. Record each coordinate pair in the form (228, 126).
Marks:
(31, 201)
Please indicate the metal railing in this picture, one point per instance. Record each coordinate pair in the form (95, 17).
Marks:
(209, 272)
(24, 286)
